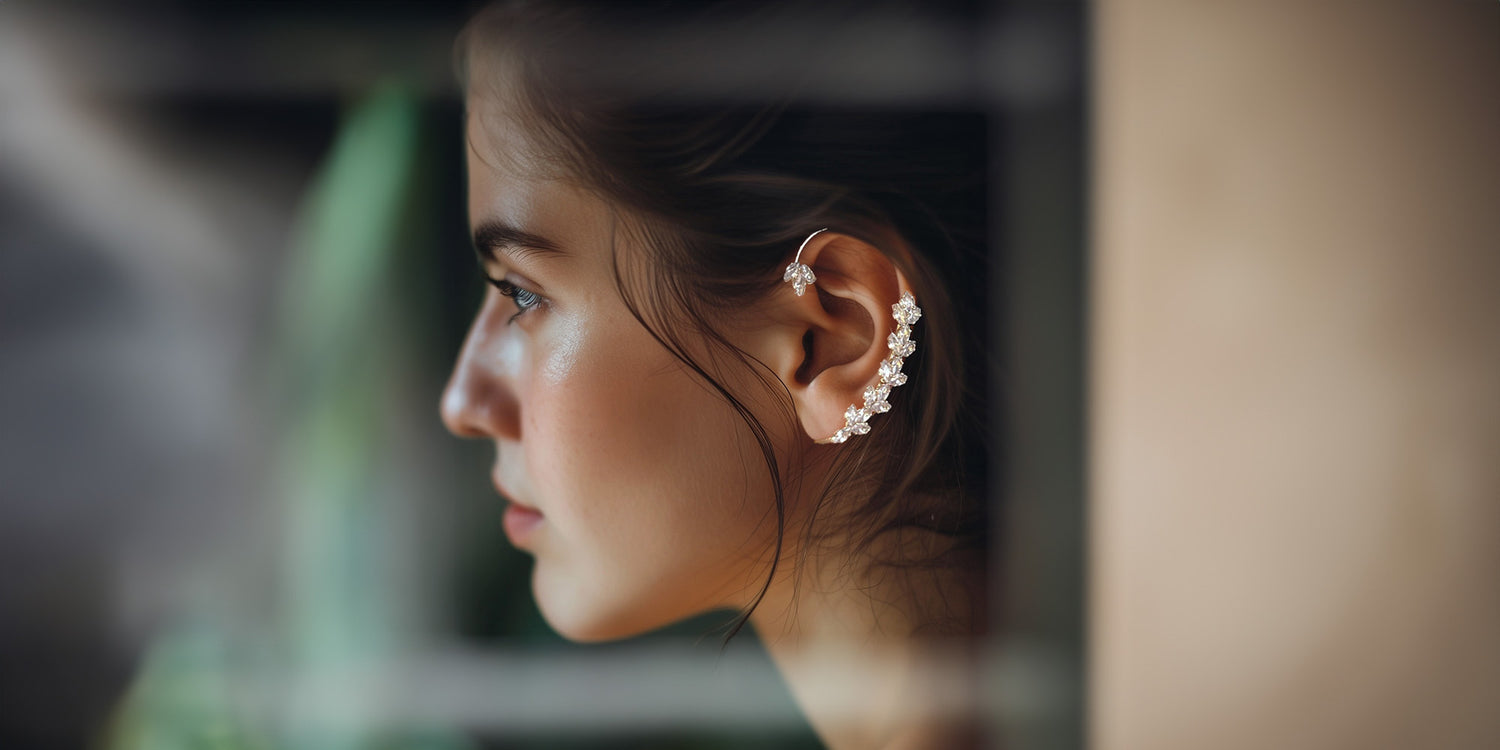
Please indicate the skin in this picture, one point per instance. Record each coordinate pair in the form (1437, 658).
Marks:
(654, 501)
(644, 478)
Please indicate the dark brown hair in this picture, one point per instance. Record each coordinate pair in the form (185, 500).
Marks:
(721, 184)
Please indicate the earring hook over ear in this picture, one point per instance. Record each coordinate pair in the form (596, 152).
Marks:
(901, 344)
(798, 272)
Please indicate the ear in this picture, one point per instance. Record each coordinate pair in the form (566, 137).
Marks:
(827, 345)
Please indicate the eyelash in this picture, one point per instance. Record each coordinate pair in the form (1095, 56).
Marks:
(524, 298)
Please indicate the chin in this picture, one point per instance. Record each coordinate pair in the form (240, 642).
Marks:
(580, 617)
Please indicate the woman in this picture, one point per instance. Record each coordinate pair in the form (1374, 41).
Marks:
(732, 357)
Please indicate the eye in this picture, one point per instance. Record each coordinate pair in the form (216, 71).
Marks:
(524, 298)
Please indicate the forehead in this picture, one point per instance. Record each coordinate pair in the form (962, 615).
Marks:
(500, 135)
(515, 180)
(512, 184)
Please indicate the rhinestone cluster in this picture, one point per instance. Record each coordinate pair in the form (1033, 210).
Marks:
(800, 275)
(857, 418)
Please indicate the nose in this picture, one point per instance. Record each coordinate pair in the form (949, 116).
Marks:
(479, 400)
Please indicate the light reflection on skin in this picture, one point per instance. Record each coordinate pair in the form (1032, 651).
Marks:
(565, 355)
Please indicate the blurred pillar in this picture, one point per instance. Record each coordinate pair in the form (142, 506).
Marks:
(1296, 375)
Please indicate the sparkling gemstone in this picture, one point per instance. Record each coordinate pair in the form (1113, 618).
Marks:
(877, 393)
(890, 368)
(800, 275)
(906, 311)
(880, 407)
(897, 379)
(905, 349)
(901, 336)
(861, 428)
(839, 437)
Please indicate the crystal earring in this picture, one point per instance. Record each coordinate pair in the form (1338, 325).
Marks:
(906, 313)
(857, 418)
(798, 273)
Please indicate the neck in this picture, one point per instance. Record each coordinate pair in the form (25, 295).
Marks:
(879, 655)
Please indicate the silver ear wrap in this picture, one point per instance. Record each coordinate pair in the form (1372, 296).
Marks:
(798, 273)
(906, 313)
(857, 418)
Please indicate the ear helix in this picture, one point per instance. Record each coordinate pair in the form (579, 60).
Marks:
(900, 343)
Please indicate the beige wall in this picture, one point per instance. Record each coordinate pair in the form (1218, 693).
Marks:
(1296, 375)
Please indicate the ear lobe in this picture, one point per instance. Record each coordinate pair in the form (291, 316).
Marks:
(835, 340)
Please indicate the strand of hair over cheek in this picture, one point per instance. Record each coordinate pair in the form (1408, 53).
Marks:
(757, 430)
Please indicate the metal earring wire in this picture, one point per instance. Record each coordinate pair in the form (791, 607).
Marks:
(901, 344)
(798, 273)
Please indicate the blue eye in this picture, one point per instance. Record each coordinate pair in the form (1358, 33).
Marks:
(525, 299)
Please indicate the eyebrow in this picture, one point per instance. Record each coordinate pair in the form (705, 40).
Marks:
(492, 236)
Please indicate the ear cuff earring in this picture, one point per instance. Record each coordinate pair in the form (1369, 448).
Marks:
(798, 273)
(900, 343)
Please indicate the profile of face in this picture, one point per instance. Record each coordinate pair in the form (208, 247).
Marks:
(639, 491)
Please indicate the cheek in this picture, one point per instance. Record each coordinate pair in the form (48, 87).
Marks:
(647, 474)
(624, 432)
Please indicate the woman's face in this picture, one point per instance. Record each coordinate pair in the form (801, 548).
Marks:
(641, 495)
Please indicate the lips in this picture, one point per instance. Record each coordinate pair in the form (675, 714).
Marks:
(521, 521)
(521, 524)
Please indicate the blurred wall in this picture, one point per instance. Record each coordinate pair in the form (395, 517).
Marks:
(1296, 375)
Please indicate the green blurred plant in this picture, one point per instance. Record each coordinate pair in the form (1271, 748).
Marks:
(335, 355)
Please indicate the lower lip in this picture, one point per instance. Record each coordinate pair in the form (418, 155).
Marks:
(521, 523)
